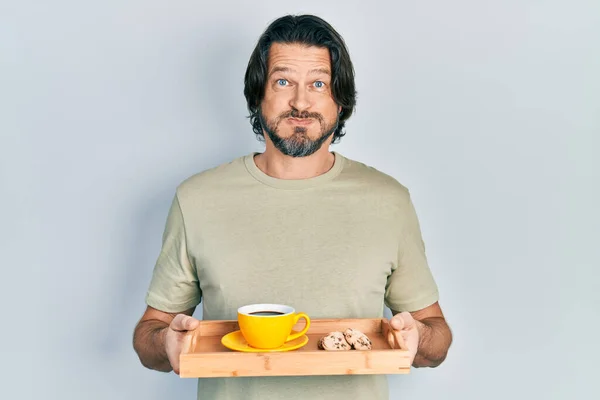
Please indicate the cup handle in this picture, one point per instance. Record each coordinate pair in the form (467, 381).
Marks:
(303, 331)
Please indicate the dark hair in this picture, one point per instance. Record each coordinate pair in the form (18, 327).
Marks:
(311, 31)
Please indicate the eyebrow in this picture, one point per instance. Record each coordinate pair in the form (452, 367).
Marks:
(311, 72)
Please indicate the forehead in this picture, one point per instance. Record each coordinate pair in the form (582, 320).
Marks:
(299, 56)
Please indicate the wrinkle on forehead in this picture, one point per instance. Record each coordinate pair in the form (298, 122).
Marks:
(311, 57)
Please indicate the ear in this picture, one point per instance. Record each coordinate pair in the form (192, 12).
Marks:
(339, 109)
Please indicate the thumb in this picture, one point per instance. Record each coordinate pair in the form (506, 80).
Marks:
(397, 323)
(183, 322)
(403, 320)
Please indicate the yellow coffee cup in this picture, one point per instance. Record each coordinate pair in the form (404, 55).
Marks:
(268, 326)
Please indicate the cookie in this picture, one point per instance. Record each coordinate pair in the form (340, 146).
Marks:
(334, 341)
(357, 339)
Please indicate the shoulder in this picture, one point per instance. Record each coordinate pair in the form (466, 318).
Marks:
(372, 179)
(211, 180)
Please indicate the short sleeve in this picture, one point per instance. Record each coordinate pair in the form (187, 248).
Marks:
(411, 285)
(174, 286)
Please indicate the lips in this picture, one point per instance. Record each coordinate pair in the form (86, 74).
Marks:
(300, 121)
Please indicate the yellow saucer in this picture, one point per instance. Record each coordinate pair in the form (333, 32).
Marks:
(235, 341)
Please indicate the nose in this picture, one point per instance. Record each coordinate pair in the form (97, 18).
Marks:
(300, 100)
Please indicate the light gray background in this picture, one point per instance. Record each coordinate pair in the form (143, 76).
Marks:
(488, 111)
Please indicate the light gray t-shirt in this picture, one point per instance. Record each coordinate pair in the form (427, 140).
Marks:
(339, 245)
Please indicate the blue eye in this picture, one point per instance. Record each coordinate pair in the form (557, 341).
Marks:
(319, 84)
(281, 82)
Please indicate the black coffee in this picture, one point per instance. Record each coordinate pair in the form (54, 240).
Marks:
(266, 313)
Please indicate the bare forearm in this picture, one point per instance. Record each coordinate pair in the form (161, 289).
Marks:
(149, 344)
(435, 338)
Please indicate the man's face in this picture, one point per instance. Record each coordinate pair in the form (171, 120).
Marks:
(298, 111)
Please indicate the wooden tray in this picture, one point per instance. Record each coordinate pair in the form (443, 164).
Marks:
(204, 356)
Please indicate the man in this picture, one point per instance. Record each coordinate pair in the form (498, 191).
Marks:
(296, 224)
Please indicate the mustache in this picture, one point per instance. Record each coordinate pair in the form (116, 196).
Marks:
(301, 115)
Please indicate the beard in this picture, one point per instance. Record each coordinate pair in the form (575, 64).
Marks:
(299, 144)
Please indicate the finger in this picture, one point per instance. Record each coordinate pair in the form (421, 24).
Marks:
(400, 341)
(183, 322)
(409, 321)
(403, 320)
(191, 324)
(397, 323)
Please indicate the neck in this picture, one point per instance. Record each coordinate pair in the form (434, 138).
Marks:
(274, 163)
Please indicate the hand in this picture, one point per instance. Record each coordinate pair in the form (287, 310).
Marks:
(408, 329)
(174, 337)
